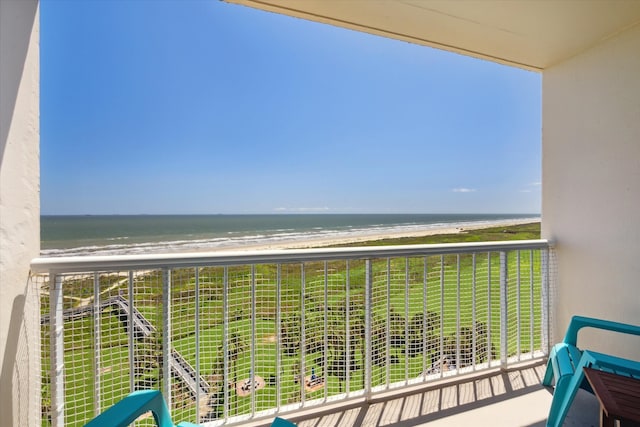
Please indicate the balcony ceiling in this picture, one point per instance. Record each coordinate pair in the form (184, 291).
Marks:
(529, 34)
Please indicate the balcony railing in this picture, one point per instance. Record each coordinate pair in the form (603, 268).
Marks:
(230, 337)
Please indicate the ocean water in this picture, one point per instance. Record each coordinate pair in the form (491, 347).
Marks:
(136, 234)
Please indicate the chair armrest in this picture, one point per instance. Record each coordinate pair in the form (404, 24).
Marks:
(579, 322)
(131, 407)
(609, 363)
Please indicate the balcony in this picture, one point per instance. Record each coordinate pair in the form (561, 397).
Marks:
(235, 338)
(589, 182)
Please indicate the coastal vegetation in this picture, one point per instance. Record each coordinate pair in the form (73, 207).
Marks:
(284, 323)
(491, 234)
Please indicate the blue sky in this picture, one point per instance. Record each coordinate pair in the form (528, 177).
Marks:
(185, 107)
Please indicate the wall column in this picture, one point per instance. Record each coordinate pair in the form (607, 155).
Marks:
(19, 210)
(591, 187)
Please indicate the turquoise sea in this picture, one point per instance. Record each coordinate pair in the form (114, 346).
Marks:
(135, 234)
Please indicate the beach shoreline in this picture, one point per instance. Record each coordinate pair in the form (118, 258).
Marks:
(323, 242)
(284, 237)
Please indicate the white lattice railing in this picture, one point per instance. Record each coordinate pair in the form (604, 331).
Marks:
(234, 336)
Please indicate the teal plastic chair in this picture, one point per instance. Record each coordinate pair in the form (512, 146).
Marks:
(140, 402)
(281, 422)
(567, 362)
(131, 407)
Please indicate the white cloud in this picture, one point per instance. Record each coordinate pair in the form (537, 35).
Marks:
(464, 190)
(529, 190)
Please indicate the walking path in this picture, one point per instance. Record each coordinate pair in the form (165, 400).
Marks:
(142, 328)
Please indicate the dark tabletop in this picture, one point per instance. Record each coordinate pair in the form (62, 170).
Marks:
(619, 396)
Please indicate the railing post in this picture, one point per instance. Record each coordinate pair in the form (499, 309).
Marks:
(253, 335)
(57, 352)
(387, 379)
(489, 317)
(474, 329)
(303, 353)
(347, 332)
(326, 327)
(531, 302)
(368, 291)
(197, 330)
(458, 308)
(518, 308)
(279, 368)
(545, 323)
(225, 343)
(504, 315)
(425, 282)
(442, 312)
(96, 343)
(132, 361)
(166, 335)
(406, 316)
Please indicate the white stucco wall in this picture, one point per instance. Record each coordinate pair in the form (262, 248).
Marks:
(19, 207)
(591, 186)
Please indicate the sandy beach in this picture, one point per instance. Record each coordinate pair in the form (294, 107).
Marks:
(367, 237)
(115, 235)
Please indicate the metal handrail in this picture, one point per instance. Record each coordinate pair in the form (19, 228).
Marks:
(79, 264)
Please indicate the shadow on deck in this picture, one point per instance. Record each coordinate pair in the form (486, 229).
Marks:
(511, 398)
